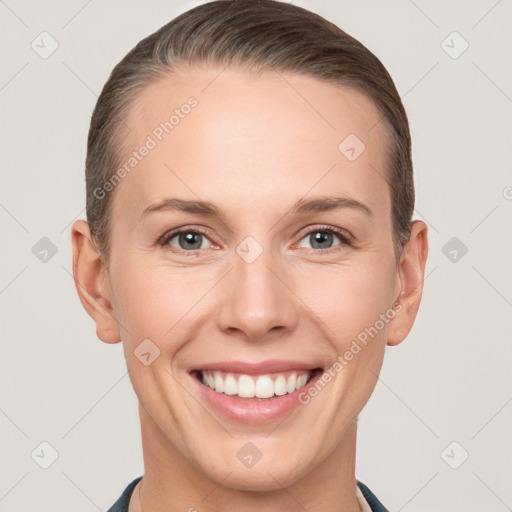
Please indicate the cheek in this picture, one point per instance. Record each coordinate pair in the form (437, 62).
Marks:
(349, 299)
(157, 302)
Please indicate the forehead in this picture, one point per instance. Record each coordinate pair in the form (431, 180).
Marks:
(251, 137)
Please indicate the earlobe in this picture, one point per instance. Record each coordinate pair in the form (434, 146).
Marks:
(411, 273)
(92, 283)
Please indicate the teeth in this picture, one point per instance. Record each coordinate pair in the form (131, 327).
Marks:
(280, 386)
(247, 386)
(301, 381)
(218, 382)
(264, 387)
(230, 385)
(290, 383)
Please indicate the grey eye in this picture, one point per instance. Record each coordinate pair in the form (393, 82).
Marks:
(188, 241)
(321, 239)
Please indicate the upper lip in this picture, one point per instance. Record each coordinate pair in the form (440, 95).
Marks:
(263, 367)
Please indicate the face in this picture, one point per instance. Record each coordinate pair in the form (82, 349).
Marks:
(250, 251)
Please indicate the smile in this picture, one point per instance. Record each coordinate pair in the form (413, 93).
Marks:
(253, 392)
(251, 386)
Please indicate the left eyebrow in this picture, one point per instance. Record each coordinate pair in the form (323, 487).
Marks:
(329, 203)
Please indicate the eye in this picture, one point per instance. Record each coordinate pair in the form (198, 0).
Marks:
(325, 238)
(186, 240)
(191, 240)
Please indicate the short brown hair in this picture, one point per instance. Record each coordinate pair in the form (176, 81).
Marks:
(262, 34)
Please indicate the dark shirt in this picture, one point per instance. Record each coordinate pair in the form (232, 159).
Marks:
(121, 505)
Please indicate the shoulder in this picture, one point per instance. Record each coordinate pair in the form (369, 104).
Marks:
(373, 502)
(121, 505)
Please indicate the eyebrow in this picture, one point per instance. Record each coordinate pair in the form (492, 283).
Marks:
(317, 204)
(329, 203)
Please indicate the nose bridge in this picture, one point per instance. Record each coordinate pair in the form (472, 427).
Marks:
(256, 300)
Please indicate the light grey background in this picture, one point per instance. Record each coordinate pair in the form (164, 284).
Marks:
(449, 381)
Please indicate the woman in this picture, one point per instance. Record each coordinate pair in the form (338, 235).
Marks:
(249, 239)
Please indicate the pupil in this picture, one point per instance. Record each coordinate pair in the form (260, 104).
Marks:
(189, 239)
(322, 238)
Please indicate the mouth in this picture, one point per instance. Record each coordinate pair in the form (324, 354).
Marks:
(255, 387)
(254, 393)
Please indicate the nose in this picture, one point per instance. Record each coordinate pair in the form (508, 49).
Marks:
(256, 300)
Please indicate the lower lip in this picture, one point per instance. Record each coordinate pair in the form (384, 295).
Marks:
(254, 410)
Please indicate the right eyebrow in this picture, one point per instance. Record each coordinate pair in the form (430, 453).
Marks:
(200, 207)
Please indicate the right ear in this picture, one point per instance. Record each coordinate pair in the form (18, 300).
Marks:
(92, 283)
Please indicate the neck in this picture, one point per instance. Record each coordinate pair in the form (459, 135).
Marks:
(171, 483)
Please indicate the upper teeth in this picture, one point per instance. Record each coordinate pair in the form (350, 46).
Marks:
(248, 386)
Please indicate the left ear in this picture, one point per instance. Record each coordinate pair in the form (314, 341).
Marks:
(411, 273)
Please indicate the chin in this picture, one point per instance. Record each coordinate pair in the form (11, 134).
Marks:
(267, 474)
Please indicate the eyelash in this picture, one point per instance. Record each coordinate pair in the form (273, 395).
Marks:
(344, 237)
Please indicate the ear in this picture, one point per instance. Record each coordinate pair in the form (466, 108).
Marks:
(410, 277)
(92, 283)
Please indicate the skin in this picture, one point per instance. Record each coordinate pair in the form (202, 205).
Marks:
(253, 146)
